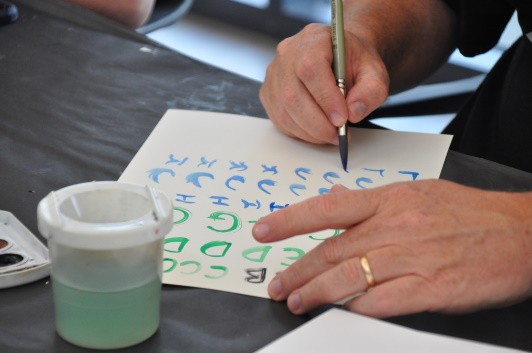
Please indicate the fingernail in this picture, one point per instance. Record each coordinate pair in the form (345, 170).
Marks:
(261, 231)
(275, 289)
(358, 110)
(336, 119)
(294, 302)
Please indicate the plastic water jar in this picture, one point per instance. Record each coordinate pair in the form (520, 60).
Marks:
(106, 245)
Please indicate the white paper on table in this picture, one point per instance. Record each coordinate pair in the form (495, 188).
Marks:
(223, 172)
(341, 331)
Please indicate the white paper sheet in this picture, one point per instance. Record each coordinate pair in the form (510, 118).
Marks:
(341, 331)
(223, 172)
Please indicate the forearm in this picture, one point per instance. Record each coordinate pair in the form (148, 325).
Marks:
(132, 13)
(413, 37)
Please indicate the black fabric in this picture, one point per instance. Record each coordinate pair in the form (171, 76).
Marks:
(496, 122)
(480, 23)
(78, 97)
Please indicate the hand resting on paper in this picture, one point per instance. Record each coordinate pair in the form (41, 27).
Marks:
(431, 246)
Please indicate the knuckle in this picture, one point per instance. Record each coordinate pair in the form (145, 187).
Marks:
(415, 210)
(313, 28)
(401, 191)
(291, 277)
(270, 72)
(305, 67)
(283, 46)
(413, 218)
(377, 89)
(289, 96)
(263, 96)
(325, 205)
(330, 251)
(350, 272)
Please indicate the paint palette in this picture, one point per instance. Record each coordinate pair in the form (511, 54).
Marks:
(23, 258)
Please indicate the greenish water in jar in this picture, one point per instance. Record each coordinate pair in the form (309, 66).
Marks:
(107, 320)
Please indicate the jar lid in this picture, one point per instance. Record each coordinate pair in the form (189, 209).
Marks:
(104, 215)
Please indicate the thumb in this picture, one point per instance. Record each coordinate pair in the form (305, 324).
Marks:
(369, 89)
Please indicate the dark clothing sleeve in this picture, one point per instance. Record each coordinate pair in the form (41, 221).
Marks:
(496, 123)
(480, 23)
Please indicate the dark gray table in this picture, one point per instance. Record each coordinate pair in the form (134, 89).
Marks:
(78, 97)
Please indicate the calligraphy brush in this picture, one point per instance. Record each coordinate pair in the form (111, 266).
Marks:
(337, 27)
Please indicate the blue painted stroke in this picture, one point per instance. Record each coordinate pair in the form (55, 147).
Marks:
(327, 176)
(265, 182)
(295, 187)
(238, 178)
(155, 173)
(300, 171)
(194, 178)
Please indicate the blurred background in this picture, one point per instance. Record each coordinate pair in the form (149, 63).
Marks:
(240, 36)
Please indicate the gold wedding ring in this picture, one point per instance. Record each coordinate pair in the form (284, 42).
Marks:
(367, 271)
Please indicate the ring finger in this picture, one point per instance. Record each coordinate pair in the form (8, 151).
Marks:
(348, 279)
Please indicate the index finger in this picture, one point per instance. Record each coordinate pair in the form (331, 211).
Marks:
(319, 80)
(338, 210)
